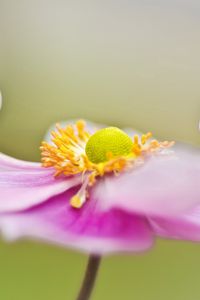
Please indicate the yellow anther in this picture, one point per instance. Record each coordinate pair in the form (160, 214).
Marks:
(149, 135)
(80, 125)
(82, 133)
(136, 139)
(101, 168)
(154, 144)
(145, 137)
(136, 149)
(76, 202)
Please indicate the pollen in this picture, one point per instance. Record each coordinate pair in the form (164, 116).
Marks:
(106, 143)
(74, 151)
(67, 151)
(76, 201)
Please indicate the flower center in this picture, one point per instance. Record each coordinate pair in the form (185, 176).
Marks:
(107, 142)
(75, 151)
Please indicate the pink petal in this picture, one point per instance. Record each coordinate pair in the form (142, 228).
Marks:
(164, 185)
(10, 163)
(185, 227)
(23, 185)
(86, 229)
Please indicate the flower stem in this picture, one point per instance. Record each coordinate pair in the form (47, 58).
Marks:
(89, 277)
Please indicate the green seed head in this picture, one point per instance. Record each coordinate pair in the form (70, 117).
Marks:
(108, 140)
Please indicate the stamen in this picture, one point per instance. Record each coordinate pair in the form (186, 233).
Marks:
(79, 199)
(66, 155)
(136, 139)
(145, 138)
(109, 150)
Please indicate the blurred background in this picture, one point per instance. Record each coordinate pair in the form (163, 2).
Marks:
(125, 63)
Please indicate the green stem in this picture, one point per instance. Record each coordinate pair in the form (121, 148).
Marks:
(89, 277)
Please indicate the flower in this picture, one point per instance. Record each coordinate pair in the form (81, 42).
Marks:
(102, 190)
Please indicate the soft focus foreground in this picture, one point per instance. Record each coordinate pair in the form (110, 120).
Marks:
(117, 63)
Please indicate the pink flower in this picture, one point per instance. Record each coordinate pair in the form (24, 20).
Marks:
(100, 191)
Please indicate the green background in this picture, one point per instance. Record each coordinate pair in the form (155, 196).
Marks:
(125, 63)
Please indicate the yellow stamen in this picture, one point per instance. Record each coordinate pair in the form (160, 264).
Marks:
(145, 137)
(109, 150)
(76, 201)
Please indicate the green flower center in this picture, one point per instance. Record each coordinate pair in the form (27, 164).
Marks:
(108, 141)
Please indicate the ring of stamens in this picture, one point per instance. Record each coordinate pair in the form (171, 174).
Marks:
(68, 156)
